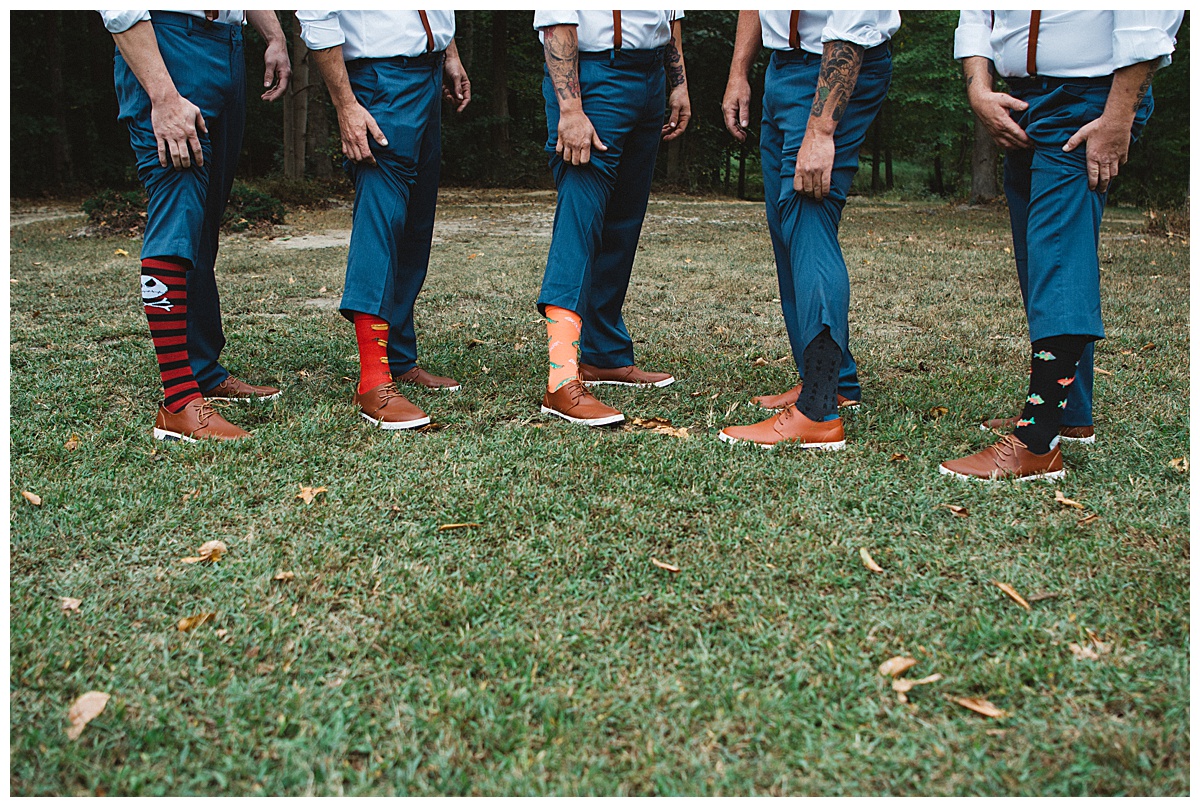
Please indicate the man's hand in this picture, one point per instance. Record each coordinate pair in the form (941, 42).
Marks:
(736, 107)
(175, 121)
(992, 109)
(681, 112)
(814, 165)
(1107, 149)
(355, 123)
(456, 87)
(576, 138)
(278, 70)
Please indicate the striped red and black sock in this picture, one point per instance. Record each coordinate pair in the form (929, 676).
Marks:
(164, 295)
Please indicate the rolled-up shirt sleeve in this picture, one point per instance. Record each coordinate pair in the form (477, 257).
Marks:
(320, 29)
(118, 22)
(544, 19)
(863, 28)
(973, 36)
(1143, 36)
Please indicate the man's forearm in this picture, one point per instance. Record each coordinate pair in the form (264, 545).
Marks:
(139, 48)
(676, 74)
(977, 74)
(1129, 87)
(562, 62)
(452, 50)
(840, 64)
(747, 43)
(333, 70)
(267, 25)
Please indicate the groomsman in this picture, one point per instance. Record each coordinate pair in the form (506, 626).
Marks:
(386, 72)
(828, 76)
(1075, 79)
(608, 76)
(181, 84)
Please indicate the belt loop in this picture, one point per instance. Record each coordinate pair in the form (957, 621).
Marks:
(612, 56)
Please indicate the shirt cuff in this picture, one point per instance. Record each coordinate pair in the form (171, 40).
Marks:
(544, 19)
(321, 34)
(118, 22)
(866, 36)
(973, 40)
(1134, 45)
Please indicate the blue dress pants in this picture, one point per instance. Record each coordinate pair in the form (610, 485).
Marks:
(184, 210)
(601, 204)
(1056, 219)
(395, 200)
(814, 285)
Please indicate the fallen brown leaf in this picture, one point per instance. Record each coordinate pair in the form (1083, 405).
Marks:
(1101, 372)
(458, 526)
(431, 427)
(938, 411)
(120, 253)
(86, 708)
(1083, 522)
(901, 686)
(956, 509)
(996, 732)
(284, 576)
(1061, 499)
(869, 561)
(1044, 595)
(760, 362)
(308, 494)
(33, 498)
(1148, 346)
(1180, 464)
(896, 665)
(980, 706)
(898, 457)
(209, 551)
(660, 425)
(1083, 652)
(72, 443)
(195, 621)
(665, 566)
(1012, 593)
(69, 603)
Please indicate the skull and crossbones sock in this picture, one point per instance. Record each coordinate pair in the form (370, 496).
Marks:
(164, 296)
(1051, 373)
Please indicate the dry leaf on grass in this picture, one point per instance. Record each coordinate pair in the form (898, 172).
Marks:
(86, 708)
(760, 362)
(458, 526)
(1180, 464)
(195, 621)
(1044, 595)
(1083, 522)
(69, 603)
(120, 253)
(284, 576)
(665, 566)
(33, 498)
(1101, 372)
(980, 706)
(1083, 652)
(956, 509)
(431, 427)
(308, 494)
(901, 686)
(210, 551)
(896, 665)
(938, 411)
(72, 443)
(1148, 346)
(660, 425)
(869, 561)
(898, 457)
(1012, 593)
(1063, 500)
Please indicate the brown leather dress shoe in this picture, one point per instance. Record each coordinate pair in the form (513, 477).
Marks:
(1007, 459)
(234, 389)
(783, 399)
(573, 402)
(628, 376)
(789, 426)
(430, 381)
(1071, 434)
(386, 408)
(197, 421)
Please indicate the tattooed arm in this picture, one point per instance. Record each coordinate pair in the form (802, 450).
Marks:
(736, 104)
(1108, 136)
(677, 99)
(992, 107)
(576, 135)
(840, 64)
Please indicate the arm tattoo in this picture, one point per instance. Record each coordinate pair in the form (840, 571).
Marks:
(675, 74)
(562, 61)
(839, 72)
(1141, 93)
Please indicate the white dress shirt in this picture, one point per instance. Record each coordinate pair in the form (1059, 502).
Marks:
(118, 22)
(865, 28)
(1070, 44)
(640, 30)
(375, 34)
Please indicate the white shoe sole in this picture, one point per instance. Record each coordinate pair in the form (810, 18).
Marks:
(604, 421)
(666, 382)
(393, 425)
(1049, 476)
(838, 446)
(163, 434)
(1085, 440)
(245, 400)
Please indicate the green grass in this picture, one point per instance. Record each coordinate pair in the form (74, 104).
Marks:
(541, 652)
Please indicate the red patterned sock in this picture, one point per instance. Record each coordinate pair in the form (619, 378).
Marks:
(164, 295)
(372, 335)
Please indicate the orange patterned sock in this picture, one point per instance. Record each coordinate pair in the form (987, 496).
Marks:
(372, 335)
(563, 328)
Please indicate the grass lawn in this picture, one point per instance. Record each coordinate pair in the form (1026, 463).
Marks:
(542, 652)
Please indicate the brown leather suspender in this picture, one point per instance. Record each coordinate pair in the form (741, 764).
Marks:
(1035, 18)
(794, 30)
(428, 32)
(616, 30)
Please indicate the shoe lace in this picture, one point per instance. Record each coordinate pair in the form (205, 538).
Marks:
(204, 412)
(1006, 446)
(387, 392)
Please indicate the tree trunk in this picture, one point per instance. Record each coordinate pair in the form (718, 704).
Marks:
(939, 184)
(499, 105)
(728, 168)
(984, 159)
(889, 176)
(876, 153)
(60, 145)
(742, 172)
(318, 128)
(295, 111)
(464, 37)
(674, 161)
